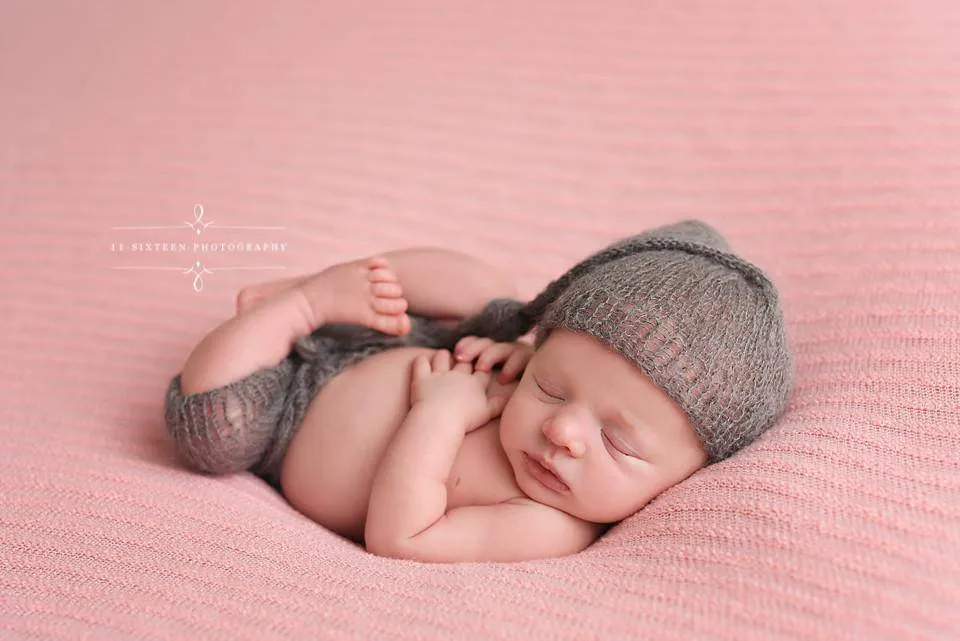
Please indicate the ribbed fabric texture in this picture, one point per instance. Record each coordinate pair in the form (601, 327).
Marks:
(821, 139)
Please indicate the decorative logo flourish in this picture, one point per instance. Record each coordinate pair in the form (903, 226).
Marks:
(198, 225)
(198, 269)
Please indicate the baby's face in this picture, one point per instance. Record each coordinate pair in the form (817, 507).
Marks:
(613, 438)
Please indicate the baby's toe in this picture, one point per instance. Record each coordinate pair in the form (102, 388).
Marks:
(376, 261)
(389, 306)
(394, 325)
(381, 275)
(387, 290)
(403, 324)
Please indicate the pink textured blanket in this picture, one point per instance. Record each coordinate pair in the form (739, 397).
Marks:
(821, 138)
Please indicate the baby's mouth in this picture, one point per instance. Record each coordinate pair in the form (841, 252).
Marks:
(546, 477)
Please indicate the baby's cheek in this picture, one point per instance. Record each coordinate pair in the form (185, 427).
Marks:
(511, 418)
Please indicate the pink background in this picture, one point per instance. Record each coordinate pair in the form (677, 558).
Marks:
(822, 138)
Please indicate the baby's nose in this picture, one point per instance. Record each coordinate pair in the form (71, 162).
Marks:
(568, 429)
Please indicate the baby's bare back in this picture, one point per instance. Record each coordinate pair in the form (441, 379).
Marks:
(329, 468)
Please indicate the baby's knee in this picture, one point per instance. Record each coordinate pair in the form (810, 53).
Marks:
(246, 297)
(219, 431)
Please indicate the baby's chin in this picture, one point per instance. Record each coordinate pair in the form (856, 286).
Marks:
(587, 511)
(585, 514)
(563, 503)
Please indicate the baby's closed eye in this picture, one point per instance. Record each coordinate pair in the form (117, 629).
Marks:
(546, 389)
(619, 444)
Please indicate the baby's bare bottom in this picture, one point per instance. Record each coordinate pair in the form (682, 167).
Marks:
(328, 470)
(222, 428)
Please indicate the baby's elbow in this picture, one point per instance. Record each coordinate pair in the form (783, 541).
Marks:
(389, 547)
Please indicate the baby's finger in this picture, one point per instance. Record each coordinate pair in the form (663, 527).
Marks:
(441, 361)
(421, 367)
(469, 347)
(515, 364)
(463, 366)
(494, 354)
(482, 378)
(464, 343)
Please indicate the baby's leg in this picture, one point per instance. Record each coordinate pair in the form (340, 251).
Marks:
(437, 283)
(441, 283)
(224, 409)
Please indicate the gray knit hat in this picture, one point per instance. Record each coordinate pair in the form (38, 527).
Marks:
(703, 324)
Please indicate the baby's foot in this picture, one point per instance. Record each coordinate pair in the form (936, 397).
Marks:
(364, 292)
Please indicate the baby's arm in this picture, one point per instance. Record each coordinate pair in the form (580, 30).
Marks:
(407, 515)
(409, 490)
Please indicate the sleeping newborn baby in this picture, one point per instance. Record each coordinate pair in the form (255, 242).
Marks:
(381, 396)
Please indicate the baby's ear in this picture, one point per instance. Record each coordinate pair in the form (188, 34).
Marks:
(540, 336)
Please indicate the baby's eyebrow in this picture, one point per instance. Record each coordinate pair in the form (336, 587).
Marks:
(627, 418)
(641, 429)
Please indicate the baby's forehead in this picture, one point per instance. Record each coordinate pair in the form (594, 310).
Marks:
(596, 372)
(578, 353)
(578, 357)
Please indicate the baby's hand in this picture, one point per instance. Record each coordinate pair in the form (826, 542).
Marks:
(434, 381)
(487, 353)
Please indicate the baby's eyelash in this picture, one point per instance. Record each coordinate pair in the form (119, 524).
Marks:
(603, 433)
(550, 394)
